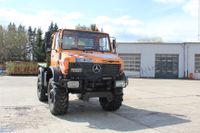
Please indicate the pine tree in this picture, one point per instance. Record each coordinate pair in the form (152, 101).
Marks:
(11, 43)
(22, 41)
(31, 42)
(39, 47)
(2, 43)
(53, 28)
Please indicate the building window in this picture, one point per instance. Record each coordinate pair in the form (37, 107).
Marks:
(131, 62)
(197, 63)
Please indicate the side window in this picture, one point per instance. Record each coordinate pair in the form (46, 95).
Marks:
(104, 44)
(57, 43)
(53, 41)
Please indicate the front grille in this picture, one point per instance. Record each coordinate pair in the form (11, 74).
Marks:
(107, 70)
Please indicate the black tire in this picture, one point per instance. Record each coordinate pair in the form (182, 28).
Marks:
(41, 90)
(115, 103)
(57, 99)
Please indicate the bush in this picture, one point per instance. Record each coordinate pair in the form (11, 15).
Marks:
(21, 68)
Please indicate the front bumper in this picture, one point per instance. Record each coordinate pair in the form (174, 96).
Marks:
(95, 84)
(83, 77)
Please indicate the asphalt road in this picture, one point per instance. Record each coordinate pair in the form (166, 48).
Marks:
(149, 106)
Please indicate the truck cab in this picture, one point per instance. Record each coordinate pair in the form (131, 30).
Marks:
(84, 63)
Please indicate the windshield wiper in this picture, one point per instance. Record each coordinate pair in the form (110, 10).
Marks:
(93, 49)
(89, 49)
(74, 48)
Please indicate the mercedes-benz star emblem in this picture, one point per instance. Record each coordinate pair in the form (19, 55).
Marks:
(96, 68)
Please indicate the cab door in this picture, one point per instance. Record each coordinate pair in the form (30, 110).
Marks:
(55, 50)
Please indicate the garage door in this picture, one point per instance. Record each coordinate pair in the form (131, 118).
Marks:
(131, 64)
(197, 63)
(166, 66)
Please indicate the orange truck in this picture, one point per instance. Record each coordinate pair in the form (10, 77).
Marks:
(84, 63)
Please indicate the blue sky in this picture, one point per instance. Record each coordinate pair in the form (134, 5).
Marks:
(128, 20)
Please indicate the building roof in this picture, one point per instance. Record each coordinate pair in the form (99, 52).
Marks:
(160, 43)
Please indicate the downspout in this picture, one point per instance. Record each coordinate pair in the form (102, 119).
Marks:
(184, 68)
(187, 60)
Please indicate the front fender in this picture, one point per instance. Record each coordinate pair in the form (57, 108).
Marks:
(125, 78)
(41, 72)
(54, 73)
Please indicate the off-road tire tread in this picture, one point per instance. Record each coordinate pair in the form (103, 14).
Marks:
(60, 104)
(114, 104)
(42, 95)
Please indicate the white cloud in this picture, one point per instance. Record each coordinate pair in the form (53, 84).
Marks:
(126, 28)
(116, 26)
(170, 1)
(172, 28)
(191, 7)
(40, 18)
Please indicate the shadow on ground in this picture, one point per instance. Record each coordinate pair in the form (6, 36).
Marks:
(125, 119)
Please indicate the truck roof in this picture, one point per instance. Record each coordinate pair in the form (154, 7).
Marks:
(79, 30)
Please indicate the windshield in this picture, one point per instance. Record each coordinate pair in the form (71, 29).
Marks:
(85, 41)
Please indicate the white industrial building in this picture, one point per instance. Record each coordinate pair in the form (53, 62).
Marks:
(161, 60)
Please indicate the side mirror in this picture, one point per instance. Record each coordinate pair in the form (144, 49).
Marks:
(48, 41)
(114, 45)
